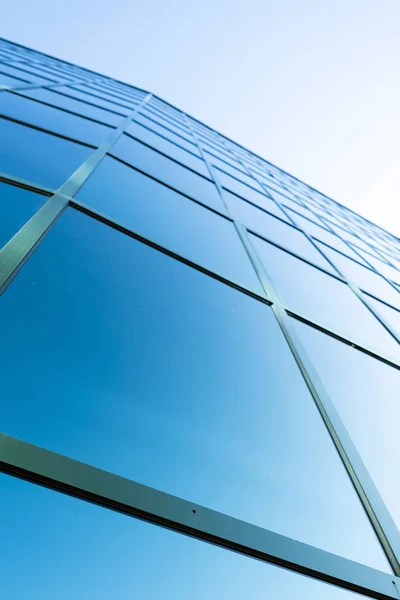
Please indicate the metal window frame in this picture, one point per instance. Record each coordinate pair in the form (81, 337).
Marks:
(43, 467)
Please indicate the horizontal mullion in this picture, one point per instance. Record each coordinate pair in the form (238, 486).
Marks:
(62, 474)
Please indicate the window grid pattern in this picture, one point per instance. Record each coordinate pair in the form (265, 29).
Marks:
(258, 186)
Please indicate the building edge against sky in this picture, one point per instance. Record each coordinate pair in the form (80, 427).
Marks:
(192, 337)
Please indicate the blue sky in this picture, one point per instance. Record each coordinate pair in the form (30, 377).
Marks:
(312, 86)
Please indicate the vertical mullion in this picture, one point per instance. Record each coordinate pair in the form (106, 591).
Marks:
(374, 506)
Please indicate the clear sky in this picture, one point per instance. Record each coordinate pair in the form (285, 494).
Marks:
(312, 86)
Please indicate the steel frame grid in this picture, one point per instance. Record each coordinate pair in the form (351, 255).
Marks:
(16, 455)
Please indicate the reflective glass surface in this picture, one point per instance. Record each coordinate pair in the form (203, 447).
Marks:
(249, 215)
(365, 393)
(8, 80)
(169, 219)
(63, 101)
(159, 143)
(47, 117)
(390, 315)
(168, 171)
(363, 277)
(76, 92)
(150, 124)
(162, 374)
(86, 551)
(17, 206)
(324, 299)
(55, 159)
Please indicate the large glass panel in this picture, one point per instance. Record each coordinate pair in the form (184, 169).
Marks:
(168, 148)
(38, 157)
(251, 216)
(8, 80)
(59, 121)
(182, 141)
(166, 217)
(86, 551)
(292, 239)
(390, 315)
(77, 106)
(23, 75)
(166, 170)
(383, 268)
(118, 355)
(75, 92)
(324, 299)
(365, 392)
(364, 278)
(17, 206)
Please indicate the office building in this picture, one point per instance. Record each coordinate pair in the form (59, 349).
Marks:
(200, 359)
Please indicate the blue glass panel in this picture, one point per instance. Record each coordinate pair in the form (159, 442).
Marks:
(23, 75)
(364, 278)
(324, 299)
(82, 108)
(118, 355)
(390, 315)
(168, 148)
(89, 552)
(59, 121)
(75, 92)
(365, 392)
(169, 219)
(168, 171)
(251, 216)
(17, 206)
(38, 157)
(8, 80)
(165, 131)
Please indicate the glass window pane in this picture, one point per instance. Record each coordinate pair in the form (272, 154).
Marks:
(251, 216)
(168, 148)
(38, 157)
(77, 106)
(390, 315)
(365, 392)
(75, 92)
(86, 551)
(383, 268)
(169, 219)
(237, 186)
(23, 75)
(8, 80)
(59, 121)
(324, 299)
(292, 239)
(167, 376)
(182, 141)
(17, 206)
(364, 278)
(168, 171)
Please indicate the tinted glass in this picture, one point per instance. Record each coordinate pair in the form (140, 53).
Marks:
(23, 75)
(38, 157)
(162, 374)
(59, 121)
(365, 392)
(8, 80)
(249, 215)
(107, 555)
(17, 206)
(324, 299)
(69, 103)
(168, 148)
(168, 171)
(76, 92)
(363, 277)
(390, 315)
(166, 132)
(291, 239)
(169, 219)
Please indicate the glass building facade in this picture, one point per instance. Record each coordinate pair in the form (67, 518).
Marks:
(199, 359)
